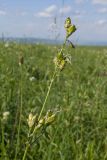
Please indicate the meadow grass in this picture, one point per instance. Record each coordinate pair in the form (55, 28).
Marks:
(79, 92)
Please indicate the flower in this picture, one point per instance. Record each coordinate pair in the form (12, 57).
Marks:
(31, 120)
(67, 22)
(32, 79)
(5, 116)
(70, 30)
(60, 60)
(6, 45)
(69, 27)
(50, 119)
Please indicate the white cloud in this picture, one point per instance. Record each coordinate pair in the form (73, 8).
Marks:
(102, 22)
(48, 12)
(2, 13)
(77, 15)
(43, 14)
(100, 1)
(102, 10)
(65, 9)
(51, 9)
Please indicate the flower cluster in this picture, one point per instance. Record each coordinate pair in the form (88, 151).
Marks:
(69, 27)
(60, 60)
(31, 120)
(38, 125)
(47, 120)
(5, 116)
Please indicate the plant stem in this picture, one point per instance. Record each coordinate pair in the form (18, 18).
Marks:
(52, 80)
(37, 137)
(43, 106)
(20, 115)
(24, 156)
(64, 44)
(3, 147)
(54, 74)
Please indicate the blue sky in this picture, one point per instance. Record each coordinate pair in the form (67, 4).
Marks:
(45, 19)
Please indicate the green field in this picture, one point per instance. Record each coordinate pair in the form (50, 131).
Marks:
(79, 93)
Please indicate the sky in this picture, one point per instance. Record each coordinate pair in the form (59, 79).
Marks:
(45, 19)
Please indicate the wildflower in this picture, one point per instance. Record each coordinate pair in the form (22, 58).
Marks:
(60, 61)
(5, 116)
(69, 27)
(32, 79)
(67, 22)
(31, 120)
(49, 113)
(49, 120)
(50, 117)
(40, 123)
(6, 45)
(76, 118)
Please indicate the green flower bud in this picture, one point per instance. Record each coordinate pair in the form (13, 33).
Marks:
(62, 64)
(70, 30)
(49, 113)
(69, 27)
(50, 119)
(31, 120)
(67, 22)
